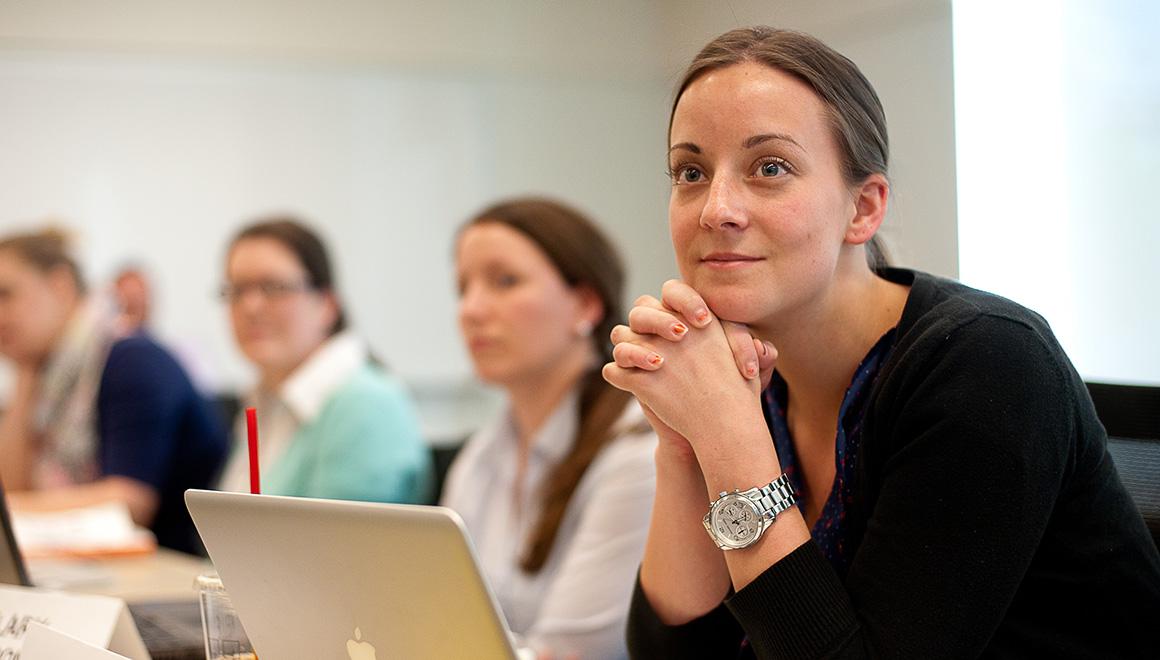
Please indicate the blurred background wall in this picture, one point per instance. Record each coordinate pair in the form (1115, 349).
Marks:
(154, 129)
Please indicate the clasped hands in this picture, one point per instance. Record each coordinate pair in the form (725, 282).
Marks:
(689, 370)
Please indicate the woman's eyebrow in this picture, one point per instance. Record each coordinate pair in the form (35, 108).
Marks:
(748, 144)
(766, 137)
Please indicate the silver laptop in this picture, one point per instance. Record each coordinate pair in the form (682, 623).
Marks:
(306, 574)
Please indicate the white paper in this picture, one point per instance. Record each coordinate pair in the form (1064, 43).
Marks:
(91, 530)
(44, 643)
(99, 621)
(69, 574)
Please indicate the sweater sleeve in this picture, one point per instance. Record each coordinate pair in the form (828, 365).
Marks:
(139, 411)
(974, 435)
(714, 635)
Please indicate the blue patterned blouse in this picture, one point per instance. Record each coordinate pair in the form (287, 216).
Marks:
(829, 532)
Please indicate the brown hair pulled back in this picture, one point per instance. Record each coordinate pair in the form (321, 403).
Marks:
(584, 257)
(46, 251)
(855, 113)
(306, 246)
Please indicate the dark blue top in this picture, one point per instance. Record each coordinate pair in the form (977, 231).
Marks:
(154, 427)
(829, 532)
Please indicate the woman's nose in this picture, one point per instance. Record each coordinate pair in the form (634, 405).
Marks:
(724, 207)
(249, 300)
(472, 303)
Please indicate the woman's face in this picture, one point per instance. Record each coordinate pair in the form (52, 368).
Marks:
(34, 308)
(759, 208)
(278, 319)
(517, 314)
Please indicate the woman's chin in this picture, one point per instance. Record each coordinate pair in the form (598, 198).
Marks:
(21, 354)
(490, 373)
(733, 305)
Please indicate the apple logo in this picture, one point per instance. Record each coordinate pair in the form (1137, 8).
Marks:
(358, 649)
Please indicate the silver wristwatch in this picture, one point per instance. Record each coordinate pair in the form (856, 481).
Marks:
(736, 520)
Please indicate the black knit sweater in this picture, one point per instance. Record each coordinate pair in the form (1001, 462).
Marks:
(991, 521)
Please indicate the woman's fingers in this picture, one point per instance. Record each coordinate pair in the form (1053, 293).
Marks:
(631, 351)
(617, 376)
(628, 355)
(680, 306)
(755, 358)
(653, 321)
(647, 301)
(621, 334)
(684, 300)
(766, 360)
(745, 350)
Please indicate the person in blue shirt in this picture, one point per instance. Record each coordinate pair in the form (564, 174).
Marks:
(332, 422)
(94, 417)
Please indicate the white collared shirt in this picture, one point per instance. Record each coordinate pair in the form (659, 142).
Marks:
(578, 602)
(297, 402)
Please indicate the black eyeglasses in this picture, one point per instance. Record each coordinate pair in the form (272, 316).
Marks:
(267, 289)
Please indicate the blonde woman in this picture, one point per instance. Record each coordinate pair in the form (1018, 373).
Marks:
(95, 416)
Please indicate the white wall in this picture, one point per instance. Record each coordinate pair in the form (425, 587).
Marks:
(158, 127)
(1059, 149)
(599, 39)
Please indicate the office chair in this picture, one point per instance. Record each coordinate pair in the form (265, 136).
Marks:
(1131, 415)
(442, 456)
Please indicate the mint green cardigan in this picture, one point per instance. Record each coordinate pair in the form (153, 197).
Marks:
(364, 445)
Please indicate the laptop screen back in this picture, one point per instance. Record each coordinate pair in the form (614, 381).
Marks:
(11, 561)
(309, 576)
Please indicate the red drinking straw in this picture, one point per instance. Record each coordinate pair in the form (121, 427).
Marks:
(252, 433)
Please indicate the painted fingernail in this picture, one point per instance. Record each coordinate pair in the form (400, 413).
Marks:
(751, 369)
(655, 359)
(701, 316)
(679, 329)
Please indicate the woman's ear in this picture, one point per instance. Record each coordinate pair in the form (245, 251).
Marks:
(590, 308)
(63, 283)
(330, 311)
(870, 200)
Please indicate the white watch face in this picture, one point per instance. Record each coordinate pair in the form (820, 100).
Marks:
(735, 521)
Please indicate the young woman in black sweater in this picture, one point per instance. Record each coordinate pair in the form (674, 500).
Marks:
(922, 476)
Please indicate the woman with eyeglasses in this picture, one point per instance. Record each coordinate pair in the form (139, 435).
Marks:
(95, 415)
(332, 422)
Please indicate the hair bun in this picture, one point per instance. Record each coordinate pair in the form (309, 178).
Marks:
(55, 235)
(45, 249)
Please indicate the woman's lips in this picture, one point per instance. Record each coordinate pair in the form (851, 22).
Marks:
(476, 344)
(729, 260)
(256, 334)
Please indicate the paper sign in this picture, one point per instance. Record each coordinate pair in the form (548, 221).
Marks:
(44, 643)
(92, 531)
(100, 621)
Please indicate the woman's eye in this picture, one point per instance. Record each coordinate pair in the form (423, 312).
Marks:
(687, 174)
(772, 168)
(506, 281)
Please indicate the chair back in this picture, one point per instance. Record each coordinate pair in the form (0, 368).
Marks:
(1131, 416)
